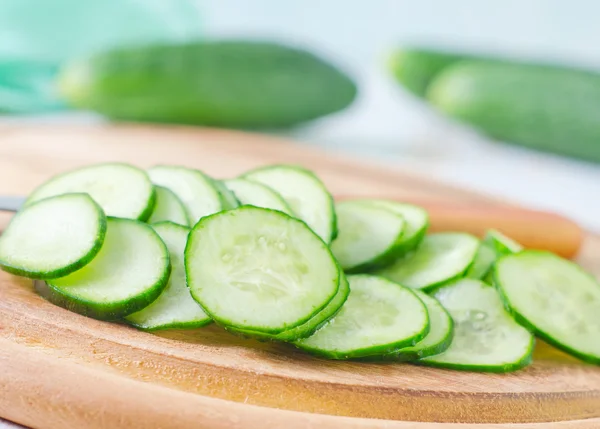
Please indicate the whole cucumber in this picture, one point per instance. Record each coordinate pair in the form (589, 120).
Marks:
(542, 107)
(415, 68)
(219, 83)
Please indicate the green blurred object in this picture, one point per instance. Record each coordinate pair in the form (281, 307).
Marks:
(38, 36)
(415, 68)
(541, 106)
(241, 84)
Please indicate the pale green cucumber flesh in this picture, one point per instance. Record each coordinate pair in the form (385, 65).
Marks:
(304, 193)
(309, 327)
(486, 338)
(368, 235)
(130, 271)
(379, 316)
(554, 298)
(257, 194)
(259, 270)
(484, 260)
(53, 237)
(195, 189)
(175, 307)
(121, 190)
(416, 222)
(437, 340)
(168, 208)
(440, 257)
(228, 199)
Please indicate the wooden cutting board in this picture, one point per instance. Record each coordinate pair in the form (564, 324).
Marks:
(59, 369)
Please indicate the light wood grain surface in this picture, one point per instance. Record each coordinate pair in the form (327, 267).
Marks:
(64, 370)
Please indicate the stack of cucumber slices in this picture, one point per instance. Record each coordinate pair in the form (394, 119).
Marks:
(269, 255)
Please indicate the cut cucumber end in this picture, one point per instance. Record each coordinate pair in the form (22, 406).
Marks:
(379, 316)
(554, 298)
(53, 237)
(122, 190)
(128, 273)
(486, 338)
(259, 270)
(304, 193)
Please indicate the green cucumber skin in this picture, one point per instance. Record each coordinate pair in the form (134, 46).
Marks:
(541, 107)
(525, 361)
(68, 269)
(224, 323)
(334, 223)
(187, 325)
(523, 321)
(415, 68)
(116, 310)
(228, 199)
(219, 83)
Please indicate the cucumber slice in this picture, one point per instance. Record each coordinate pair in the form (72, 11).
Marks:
(308, 328)
(484, 260)
(53, 237)
(554, 298)
(168, 208)
(486, 338)
(228, 199)
(368, 236)
(440, 258)
(121, 190)
(416, 218)
(502, 244)
(259, 270)
(379, 316)
(196, 190)
(259, 195)
(438, 339)
(130, 271)
(175, 307)
(305, 194)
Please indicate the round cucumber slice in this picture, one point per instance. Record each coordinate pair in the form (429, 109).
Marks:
(259, 195)
(228, 199)
(438, 339)
(308, 328)
(440, 258)
(175, 307)
(554, 298)
(259, 270)
(305, 194)
(121, 190)
(486, 338)
(416, 222)
(379, 316)
(196, 190)
(53, 237)
(484, 260)
(168, 208)
(368, 236)
(130, 271)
